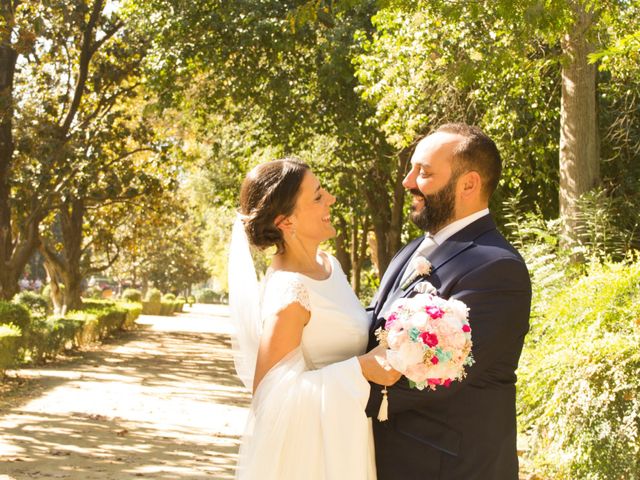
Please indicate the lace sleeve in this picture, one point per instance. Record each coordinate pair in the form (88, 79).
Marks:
(281, 290)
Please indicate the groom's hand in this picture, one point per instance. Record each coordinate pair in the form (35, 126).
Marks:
(376, 369)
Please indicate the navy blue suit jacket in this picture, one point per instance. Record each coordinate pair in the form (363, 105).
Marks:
(466, 431)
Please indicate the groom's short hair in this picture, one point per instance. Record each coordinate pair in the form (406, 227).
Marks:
(476, 152)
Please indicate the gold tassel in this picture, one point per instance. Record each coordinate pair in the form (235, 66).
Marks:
(383, 413)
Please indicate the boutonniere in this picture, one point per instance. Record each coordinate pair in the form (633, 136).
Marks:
(421, 268)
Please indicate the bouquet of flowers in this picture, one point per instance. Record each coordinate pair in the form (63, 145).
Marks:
(428, 340)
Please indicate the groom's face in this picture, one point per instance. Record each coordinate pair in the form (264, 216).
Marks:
(432, 182)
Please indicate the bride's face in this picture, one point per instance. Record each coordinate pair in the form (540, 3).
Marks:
(312, 215)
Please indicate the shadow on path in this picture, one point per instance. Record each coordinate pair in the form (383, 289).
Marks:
(161, 402)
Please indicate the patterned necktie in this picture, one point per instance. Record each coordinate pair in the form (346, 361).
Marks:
(427, 246)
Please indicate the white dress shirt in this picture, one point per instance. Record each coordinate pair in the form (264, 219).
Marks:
(446, 232)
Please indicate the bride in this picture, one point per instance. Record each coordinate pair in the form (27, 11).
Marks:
(300, 338)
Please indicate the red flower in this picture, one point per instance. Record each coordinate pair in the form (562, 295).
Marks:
(434, 312)
(429, 339)
(466, 328)
(434, 360)
(434, 381)
(447, 382)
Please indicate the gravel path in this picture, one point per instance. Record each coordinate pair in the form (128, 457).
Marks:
(161, 402)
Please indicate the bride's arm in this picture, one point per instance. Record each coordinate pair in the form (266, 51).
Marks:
(281, 335)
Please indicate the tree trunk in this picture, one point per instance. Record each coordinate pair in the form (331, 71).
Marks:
(57, 298)
(355, 260)
(14, 253)
(386, 212)
(342, 253)
(358, 252)
(72, 234)
(65, 266)
(8, 276)
(579, 156)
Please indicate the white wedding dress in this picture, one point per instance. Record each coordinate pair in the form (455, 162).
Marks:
(307, 420)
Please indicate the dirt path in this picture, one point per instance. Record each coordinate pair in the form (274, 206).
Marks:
(161, 402)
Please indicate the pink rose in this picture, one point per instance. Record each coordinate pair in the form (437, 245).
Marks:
(466, 328)
(435, 360)
(447, 382)
(392, 318)
(434, 312)
(429, 339)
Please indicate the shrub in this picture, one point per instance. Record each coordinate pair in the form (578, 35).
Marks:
(132, 295)
(9, 344)
(191, 300)
(97, 304)
(168, 297)
(97, 324)
(207, 296)
(154, 296)
(180, 301)
(48, 338)
(578, 377)
(37, 304)
(151, 308)
(134, 309)
(166, 309)
(16, 314)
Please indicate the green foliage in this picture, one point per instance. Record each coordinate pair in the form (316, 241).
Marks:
(97, 304)
(9, 343)
(12, 313)
(132, 295)
(207, 296)
(160, 243)
(133, 309)
(168, 297)
(37, 304)
(578, 376)
(47, 338)
(604, 230)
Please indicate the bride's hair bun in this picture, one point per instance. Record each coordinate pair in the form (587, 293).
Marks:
(269, 190)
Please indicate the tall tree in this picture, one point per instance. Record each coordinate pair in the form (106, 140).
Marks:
(48, 49)
(519, 69)
(285, 69)
(579, 144)
(18, 239)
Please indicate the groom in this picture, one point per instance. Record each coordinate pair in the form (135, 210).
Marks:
(466, 431)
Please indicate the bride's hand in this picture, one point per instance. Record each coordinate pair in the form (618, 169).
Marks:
(376, 369)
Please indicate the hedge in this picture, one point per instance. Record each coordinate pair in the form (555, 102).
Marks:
(9, 344)
(43, 339)
(163, 308)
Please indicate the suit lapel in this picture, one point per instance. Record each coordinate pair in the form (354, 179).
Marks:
(390, 290)
(454, 245)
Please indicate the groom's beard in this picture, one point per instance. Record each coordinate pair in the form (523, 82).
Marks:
(438, 210)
